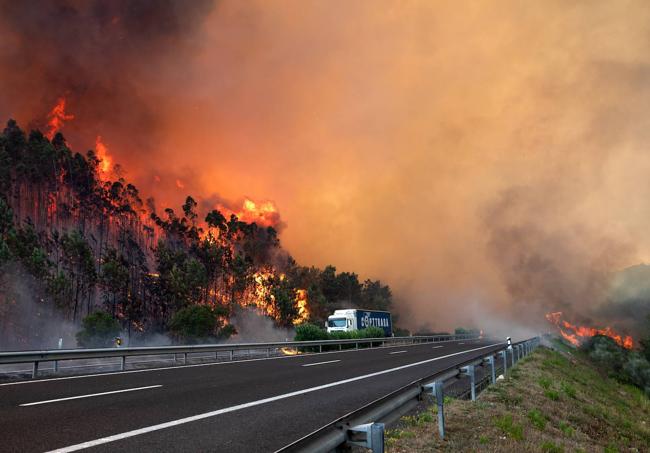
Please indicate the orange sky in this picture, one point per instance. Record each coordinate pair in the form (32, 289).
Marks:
(483, 155)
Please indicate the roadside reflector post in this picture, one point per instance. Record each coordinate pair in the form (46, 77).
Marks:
(230, 354)
(268, 352)
(437, 389)
(469, 370)
(56, 366)
(185, 358)
(35, 370)
(512, 355)
(493, 376)
(368, 435)
(320, 348)
(123, 363)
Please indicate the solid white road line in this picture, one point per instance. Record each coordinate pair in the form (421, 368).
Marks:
(89, 395)
(182, 421)
(397, 352)
(436, 347)
(320, 363)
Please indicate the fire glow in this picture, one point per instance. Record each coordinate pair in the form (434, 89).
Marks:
(576, 335)
(56, 118)
(102, 154)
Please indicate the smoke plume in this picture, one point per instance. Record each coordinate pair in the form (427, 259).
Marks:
(484, 159)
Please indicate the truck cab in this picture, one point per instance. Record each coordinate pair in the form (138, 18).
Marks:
(342, 321)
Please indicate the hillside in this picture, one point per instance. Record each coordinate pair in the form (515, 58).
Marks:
(553, 401)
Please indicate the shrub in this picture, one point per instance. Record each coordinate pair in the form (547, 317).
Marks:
(310, 332)
(544, 382)
(569, 390)
(510, 428)
(537, 419)
(552, 395)
(99, 329)
(198, 323)
(550, 447)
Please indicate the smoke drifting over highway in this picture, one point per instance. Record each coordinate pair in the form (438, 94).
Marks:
(484, 160)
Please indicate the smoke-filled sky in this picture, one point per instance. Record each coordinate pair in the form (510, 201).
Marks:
(483, 158)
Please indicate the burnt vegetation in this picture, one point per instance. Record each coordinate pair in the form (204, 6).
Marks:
(79, 243)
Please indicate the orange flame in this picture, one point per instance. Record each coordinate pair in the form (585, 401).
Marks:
(263, 213)
(303, 308)
(577, 334)
(56, 118)
(102, 154)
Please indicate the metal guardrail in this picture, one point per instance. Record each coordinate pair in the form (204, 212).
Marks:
(56, 355)
(365, 427)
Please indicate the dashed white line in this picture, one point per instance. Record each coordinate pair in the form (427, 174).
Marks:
(182, 421)
(321, 363)
(461, 343)
(397, 352)
(90, 395)
(436, 347)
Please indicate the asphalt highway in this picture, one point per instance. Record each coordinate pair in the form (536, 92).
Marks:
(246, 406)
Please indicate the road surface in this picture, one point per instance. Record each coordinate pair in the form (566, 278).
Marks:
(246, 406)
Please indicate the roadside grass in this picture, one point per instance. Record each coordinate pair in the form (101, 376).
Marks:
(557, 402)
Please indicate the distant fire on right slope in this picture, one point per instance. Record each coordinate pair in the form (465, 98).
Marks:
(577, 335)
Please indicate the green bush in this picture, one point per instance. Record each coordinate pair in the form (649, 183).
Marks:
(506, 424)
(198, 323)
(99, 329)
(537, 419)
(550, 447)
(310, 332)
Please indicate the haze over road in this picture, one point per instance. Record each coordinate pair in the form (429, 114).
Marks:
(256, 405)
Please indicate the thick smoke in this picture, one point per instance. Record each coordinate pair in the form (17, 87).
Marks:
(484, 160)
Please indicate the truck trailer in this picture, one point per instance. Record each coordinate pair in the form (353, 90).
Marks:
(357, 319)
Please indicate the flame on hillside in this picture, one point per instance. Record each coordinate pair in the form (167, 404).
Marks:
(56, 118)
(263, 213)
(577, 335)
(105, 159)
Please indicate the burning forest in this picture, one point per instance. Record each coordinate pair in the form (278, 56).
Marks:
(82, 239)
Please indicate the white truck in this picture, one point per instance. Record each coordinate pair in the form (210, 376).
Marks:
(357, 319)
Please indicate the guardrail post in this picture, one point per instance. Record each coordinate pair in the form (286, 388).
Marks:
(123, 363)
(440, 400)
(35, 370)
(230, 353)
(369, 435)
(469, 369)
(185, 358)
(320, 348)
(437, 388)
(504, 354)
(492, 372)
(56, 366)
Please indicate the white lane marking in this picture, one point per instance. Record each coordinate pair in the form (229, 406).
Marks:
(320, 363)
(397, 352)
(182, 421)
(461, 343)
(89, 395)
(436, 347)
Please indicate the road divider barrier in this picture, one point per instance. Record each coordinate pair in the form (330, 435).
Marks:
(262, 350)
